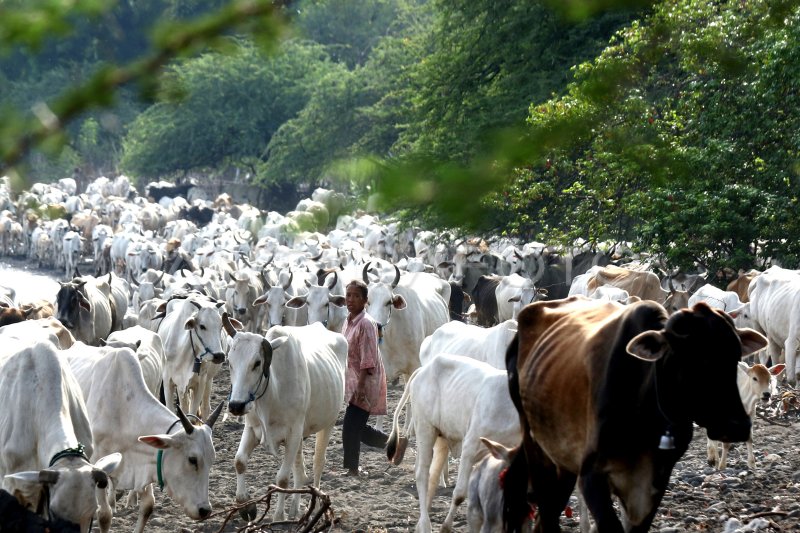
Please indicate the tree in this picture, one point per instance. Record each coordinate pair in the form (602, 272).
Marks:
(223, 107)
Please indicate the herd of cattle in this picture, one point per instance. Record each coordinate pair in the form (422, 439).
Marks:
(569, 367)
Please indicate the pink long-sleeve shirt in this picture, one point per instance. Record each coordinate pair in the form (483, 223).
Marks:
(363, 357)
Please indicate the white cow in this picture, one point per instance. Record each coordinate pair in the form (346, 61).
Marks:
(186, 451)
(407, 310)
(289, 385)
(71, 248)
(483, 344)
(245, 287)
(40, 329)
(191, 332)
(45, 436)
(756, 383)
(611, 294)
(149, 349)
(728, 301)
(513, 292)
(774, 309)
(484, 408)
(323, 306)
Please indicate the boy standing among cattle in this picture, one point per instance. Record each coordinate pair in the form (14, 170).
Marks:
(365, 379)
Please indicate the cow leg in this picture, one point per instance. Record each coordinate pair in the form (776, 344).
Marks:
(321, 442)
(146, 503)
(469, 454)
(790, 350)
(293, 446)
(426, 438)
(712, 452)
(751, 458)
(440, 455)
(723, 459)
(596, 494)
(246, 447)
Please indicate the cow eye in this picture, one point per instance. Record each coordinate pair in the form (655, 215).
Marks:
(257, 364)
(202, 327)
(193, 461)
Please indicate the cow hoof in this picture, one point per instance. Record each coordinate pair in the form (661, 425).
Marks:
(400, 452)
(248, 512)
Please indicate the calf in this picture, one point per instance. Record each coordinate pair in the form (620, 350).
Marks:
(755, 383)
(485, 507)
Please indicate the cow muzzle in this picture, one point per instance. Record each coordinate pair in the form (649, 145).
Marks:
(241, 310)
(217, 358)
(238, 408)
(738, 430)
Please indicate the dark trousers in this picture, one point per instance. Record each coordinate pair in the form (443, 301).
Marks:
(355, 431)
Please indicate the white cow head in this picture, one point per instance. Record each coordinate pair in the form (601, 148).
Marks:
(381, 299)
(250, 358)
(275, 297)
(186, 459)
(205, 332)
(72, 481)
(323, 306)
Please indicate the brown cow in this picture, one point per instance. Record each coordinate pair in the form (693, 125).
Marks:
(608, 394)
(741, 284)
(644, 284)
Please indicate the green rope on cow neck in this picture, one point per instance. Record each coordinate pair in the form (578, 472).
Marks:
(77, 451)
(159, 459)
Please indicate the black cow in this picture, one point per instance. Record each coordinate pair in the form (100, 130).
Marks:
(609, 394)
(200, 215)
(15, 518)
(160, 189)
(458, 301)
(555, 273)
(484, 297)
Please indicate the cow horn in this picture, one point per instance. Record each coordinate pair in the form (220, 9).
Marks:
(237, 238)
(670, 284)
(187, 425)
(335, 280)
(245, 261)
(226, 323)
(159, 278)
(78, 272)
(289, 283)
(396, 276)
(317, 258)
(109, 277)
(183, 273)
(364, 273)
(265, 277)
(202, 272)
(214, 415)
(196, 304)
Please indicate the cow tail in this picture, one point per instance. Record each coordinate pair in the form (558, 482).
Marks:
(392, 442)
(514, 479)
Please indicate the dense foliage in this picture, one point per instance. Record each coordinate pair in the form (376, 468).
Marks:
(667, 124)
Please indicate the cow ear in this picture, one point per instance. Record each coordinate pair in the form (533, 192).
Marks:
(752, 341)
(109, 463)
(35, 477)
(398, 302)
(497, 450)
(777, 370)
(514, 298)
(648, 346)
(84, 303)
(296, 303)
(190, 324)
(337, 300)
(261, 300)
(162, 442)
(278, 342)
